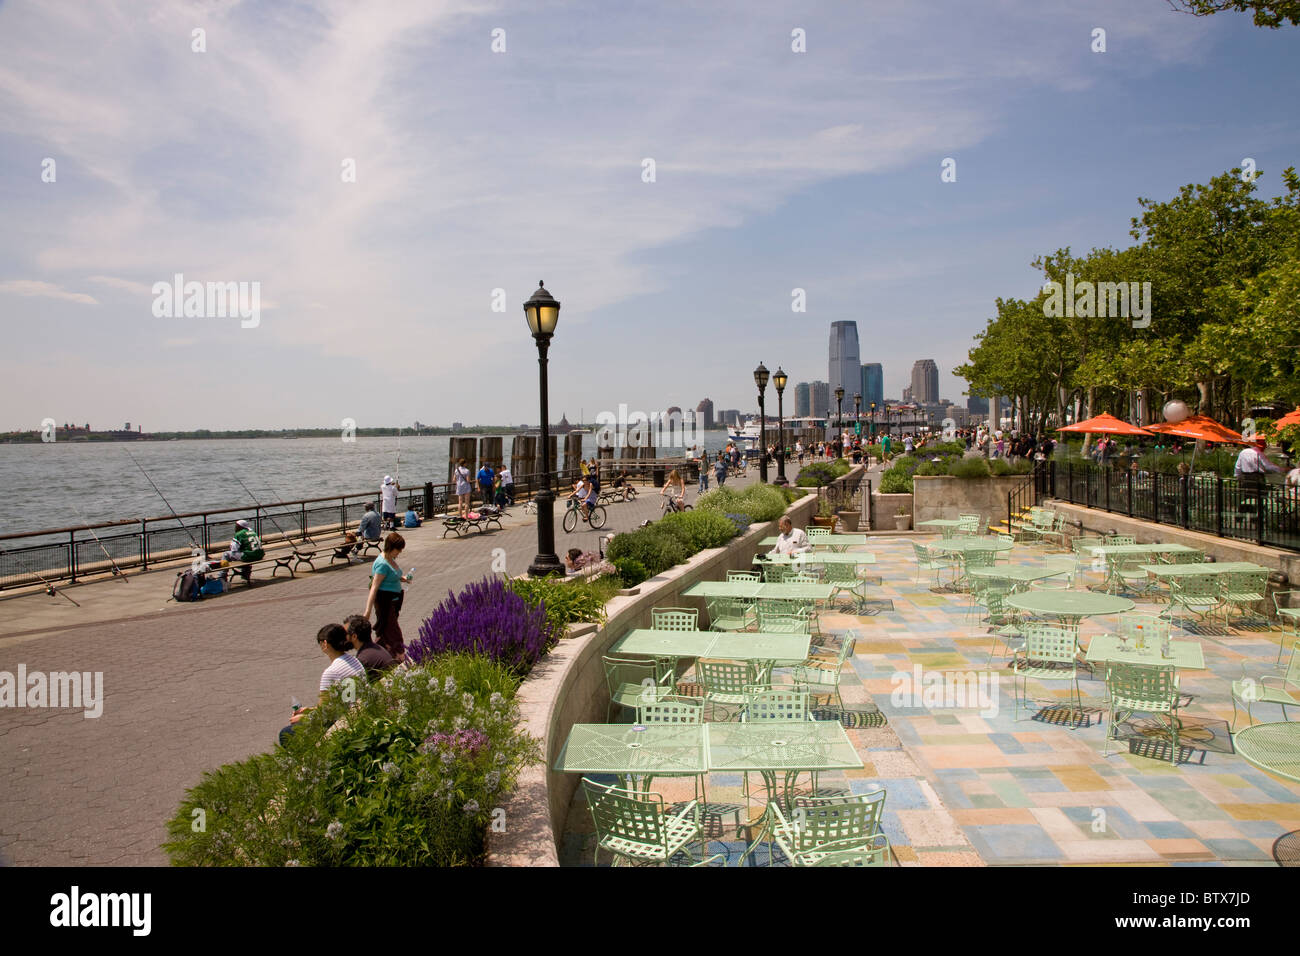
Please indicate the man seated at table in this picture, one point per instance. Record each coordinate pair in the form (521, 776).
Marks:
(792, 540)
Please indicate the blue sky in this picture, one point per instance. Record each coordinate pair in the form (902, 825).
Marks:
(478, 170)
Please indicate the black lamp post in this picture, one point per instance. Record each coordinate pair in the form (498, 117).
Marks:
(873, 422)
(543, 313)
(760, 379)
(839, 415)
(857, 413)
(779, 380)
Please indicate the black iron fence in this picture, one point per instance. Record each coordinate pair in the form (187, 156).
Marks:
(1261, 512)
(67, 554)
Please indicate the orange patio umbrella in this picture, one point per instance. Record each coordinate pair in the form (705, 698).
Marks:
(1290, 418)
(1200, 428)
(1105, 424)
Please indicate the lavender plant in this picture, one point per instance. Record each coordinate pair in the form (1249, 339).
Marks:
(486, 618)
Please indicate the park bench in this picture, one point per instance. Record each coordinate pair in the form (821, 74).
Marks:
(482, 520)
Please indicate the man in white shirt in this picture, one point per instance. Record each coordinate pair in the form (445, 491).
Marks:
(1249, 472)
(388, 497)
(792, 540)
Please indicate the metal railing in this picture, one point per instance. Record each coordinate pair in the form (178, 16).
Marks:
(1261, 513)
(1026, 495)
(77, 551)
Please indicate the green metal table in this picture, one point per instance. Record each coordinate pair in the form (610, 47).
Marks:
(818, 558)
(832, 542)
(647, 642)
(1118, 549)
(784, 591)
(724, 589)
(634, 751)
(1274, 748)
(1107, 648)
(1166, 571)
(946, 525)
(755, 646)
(963, 546)
(1069, 607)
(1019, 573)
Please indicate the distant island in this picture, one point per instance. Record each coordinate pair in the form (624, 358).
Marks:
(78, 433)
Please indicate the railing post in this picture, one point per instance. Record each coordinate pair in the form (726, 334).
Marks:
(343, 514)
(302, 518)
(1105, 484)
(205, 536)
(72, 556)
(1260, 498)
(1129, 475)
(144, 544)
(1218, 504)
(1087, 487)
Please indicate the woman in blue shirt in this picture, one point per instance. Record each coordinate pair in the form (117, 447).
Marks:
(385, 598)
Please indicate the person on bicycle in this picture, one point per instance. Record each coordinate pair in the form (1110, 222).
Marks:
(593, 476)
(675, 490)
(621, 482)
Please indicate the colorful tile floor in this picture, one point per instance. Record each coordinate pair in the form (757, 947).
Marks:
(968, 784)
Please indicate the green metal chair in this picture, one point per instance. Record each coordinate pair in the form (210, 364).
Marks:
(785, 617)
(1145, 688)
(1287, 606)
(1181, 557)
(636, 828)
(725, 682)
(675, 619)
(821, 828)
(1197, 594)
(877, 853)
(1121, 539)
(776, 573)
(1056, 533)
(927, 560)
(1045, 648)
(970, 524)
(1242, 590)
(768, 704)
(754, 576)
(1084, 560)
(843, 579)
(731, 614)
(635, 681)
(802, 576)
(1004, 557)
(1282, 689)
(677, 711)
(1126, 573)
(818, 535)
(1003, 619)
(818, 676)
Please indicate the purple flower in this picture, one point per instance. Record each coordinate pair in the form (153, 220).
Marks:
(486, 618)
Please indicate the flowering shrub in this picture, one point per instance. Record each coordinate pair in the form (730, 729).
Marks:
(567, 601)
(490, 619)
(407, 776)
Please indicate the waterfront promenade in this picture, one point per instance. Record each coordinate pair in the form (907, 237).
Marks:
(188, 687)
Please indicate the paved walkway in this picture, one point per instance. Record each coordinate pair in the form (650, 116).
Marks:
(188, 687)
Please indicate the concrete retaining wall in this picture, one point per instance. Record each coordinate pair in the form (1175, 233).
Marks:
(567, 687)
(947, 497)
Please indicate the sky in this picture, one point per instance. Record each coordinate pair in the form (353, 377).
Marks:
(396, 293)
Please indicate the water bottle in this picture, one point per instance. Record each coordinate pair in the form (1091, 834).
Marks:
(1141, 641)
(296, 706)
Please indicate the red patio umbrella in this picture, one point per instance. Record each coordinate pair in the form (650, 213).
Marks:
(1200, 428)
(1105, 424)
(1290, 418)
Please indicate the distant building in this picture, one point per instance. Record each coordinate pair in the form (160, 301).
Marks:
(728, 417)
(977, 406)
(873, 385)
(704, 413)
(821, 399)
(907, 395)
(457, 426)
(845, 367)
(925, 381)
(803, 400)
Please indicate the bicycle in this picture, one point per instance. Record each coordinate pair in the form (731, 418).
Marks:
(574, 511)
(668, 505)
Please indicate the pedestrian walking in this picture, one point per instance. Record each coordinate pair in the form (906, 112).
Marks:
(385, 598)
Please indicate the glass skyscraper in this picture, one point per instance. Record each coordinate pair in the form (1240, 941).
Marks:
(845, 364)
(873, 385)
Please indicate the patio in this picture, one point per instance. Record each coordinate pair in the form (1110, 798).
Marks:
(969, 785)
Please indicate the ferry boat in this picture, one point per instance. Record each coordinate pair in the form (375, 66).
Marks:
(747, 436)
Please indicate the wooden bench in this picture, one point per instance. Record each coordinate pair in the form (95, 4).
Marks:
(481, 521)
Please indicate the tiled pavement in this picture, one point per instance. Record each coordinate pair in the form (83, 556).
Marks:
(189, 687)
(969, 785)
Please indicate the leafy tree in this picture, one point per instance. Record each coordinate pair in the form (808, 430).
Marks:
(1268, 13)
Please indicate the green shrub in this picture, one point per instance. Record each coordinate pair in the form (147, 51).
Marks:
(760, 502)
(841, 467)
(630, 571)
(816, 474)
(946, 448)
(410, 778)
(894, 482)
(971, 468)
(930, 469)
(700, 530)
(654, 546)
(567, 600)
(907, 464)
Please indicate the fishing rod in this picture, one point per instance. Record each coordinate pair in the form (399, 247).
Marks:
(399, 456)
(261, 508)
(116, 570)
(50, 589)
(201, 553)
(280, 501)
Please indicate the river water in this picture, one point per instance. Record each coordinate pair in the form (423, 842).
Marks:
(44, 485)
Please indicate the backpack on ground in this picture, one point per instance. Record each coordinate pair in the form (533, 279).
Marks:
(188, 586)
(213, 586)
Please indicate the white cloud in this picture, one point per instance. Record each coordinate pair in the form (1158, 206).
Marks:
(47, 290)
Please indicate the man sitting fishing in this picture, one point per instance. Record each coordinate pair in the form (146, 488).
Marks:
(245, 546)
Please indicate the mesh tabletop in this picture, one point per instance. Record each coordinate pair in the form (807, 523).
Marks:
(758, 646)
(830, 541)
(795, 592)
(798, 745)
(1193, 570)
(618, 748)
(1069, 603)
(1105, 549)
(1272, 747)
(962, 545)
(818, 558)
(1018, 572)
(1184, 655)
(647, 642)
(723, 589)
